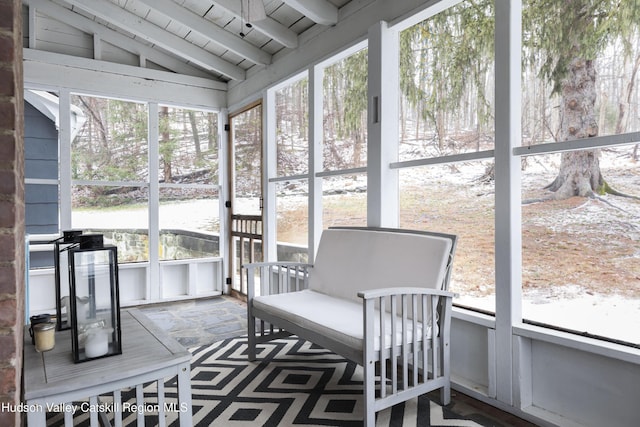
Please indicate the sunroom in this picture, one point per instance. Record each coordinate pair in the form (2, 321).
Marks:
(197, 136)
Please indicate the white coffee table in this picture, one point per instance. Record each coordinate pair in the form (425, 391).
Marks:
(148, 354)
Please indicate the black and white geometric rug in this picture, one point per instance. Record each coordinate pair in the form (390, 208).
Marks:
(293, 383)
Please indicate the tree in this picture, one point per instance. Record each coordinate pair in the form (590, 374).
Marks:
(167, 145)
(195, 132)
(112, 144)
(345, 94)
(444, 60)
(355, 102)
(561, 38)
(569, 34)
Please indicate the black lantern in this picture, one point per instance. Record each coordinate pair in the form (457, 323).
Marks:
(61, 261)
(94, 298)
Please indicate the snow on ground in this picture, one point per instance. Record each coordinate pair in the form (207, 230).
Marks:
(611, 316)
(568, 306)
(191, 215)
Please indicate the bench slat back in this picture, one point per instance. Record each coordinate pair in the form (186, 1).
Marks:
(352, 260)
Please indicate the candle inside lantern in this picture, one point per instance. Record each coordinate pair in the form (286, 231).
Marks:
(97, 342)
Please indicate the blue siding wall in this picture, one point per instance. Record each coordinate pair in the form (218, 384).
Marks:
(41, 162)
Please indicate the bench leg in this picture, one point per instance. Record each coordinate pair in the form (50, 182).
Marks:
(251, 337)
(445, 395)
(369, 394)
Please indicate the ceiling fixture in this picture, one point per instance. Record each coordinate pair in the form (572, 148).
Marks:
(250, 11)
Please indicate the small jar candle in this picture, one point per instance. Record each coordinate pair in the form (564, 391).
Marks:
(34, 320)
(45, 336)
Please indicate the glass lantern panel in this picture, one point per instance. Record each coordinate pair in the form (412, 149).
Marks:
(61, 256)
(96, 305)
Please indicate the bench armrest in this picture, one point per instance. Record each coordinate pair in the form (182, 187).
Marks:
(381, 292)
(418, 317)
(276, 277)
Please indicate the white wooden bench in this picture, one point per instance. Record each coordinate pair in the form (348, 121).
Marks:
(335, 303)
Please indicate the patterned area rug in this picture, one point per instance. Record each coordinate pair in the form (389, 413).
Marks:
(293, 383)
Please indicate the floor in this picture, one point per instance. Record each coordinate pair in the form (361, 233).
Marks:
(200, 322)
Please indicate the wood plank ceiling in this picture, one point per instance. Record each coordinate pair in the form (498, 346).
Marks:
(204, 38)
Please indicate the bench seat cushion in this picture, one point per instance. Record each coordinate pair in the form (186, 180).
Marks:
(336, 318)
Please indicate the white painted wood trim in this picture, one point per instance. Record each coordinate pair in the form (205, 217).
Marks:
(508, 236)
(316, 134)
(473, 317)
(97, 46)
(585, 344)
(425, 11)
(209, 30)
(578, 144)
(289, 178)
(319, 11)
(41, 181)
(270, 166)
(491, 363)
(64, 138)
(523, 395)
(49, 71)
(441, 160)
(340, 172)
(121, 69)
(223, 196)
(269, 26)
(382, 123)
(155, 280)
(33, 26)
(82, 23)
(192, 279)
(145, 30)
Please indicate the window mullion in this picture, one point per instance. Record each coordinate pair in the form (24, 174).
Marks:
(64, 165)
(154, 288)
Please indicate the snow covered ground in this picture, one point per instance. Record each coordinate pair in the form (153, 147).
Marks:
(611, 316)
(608, 313)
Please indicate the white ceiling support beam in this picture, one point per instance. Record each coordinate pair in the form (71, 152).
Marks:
(209, 30)
(82, 23)
(128, 21)
(97, 46)
(269, 26)
(51, 71)
(319, 11)
(32, 27)
(112, 67)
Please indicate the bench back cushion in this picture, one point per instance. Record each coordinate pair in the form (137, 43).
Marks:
(349, 261)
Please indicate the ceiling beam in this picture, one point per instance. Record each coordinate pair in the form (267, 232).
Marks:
(62, 60)
(269, 26)
(52, 71)
(319, 11)
(89, 26)
(209, 30)
(134, 24)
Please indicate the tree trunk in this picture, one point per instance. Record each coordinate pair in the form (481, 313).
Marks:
(194, 131)
(623, 117)
(213, 131)
(165, 138)
(579, 173)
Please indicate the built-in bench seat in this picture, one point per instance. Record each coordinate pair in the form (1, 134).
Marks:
(364, 281)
